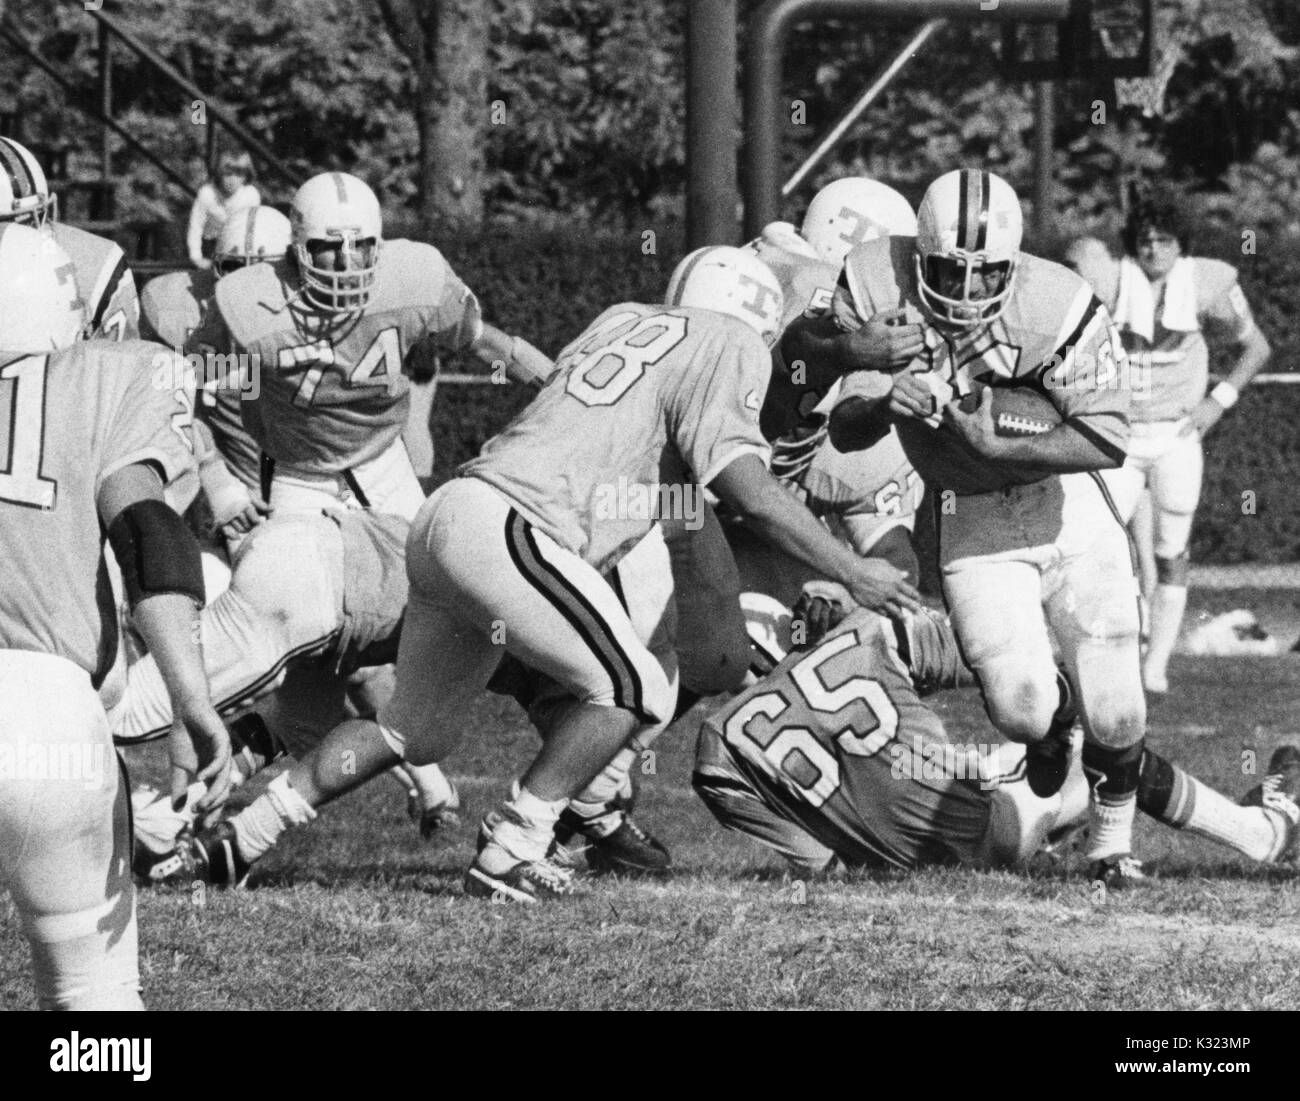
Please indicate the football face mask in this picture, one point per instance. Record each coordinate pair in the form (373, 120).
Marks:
(964, 291)
(338, 272)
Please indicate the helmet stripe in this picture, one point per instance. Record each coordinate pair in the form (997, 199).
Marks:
(248, 231)
(973, 213)
(24, 185)
(340, 186)
(982, 236)
(963, 210)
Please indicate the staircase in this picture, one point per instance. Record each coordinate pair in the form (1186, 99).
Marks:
(89, 200)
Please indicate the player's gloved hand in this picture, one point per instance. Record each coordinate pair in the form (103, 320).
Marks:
(911, 395)
(882, 588)
(888, 342)
(199, 748)
(1201, 419)
(821, 607)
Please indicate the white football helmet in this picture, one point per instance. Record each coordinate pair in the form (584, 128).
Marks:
(41, 309)
(24, 192)
(338, 209)
(850, 211)
(732, 281)
(254, 235)
(968, 228)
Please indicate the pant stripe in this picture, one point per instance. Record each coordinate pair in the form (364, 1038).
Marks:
(580, 613)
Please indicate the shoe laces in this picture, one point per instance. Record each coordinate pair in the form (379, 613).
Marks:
(550, 875)
(1276, 799)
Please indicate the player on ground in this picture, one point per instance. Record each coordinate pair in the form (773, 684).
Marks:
(328, 329)
(103, 277)
(1028, 535)
(834, 758)
(1172, 414)
(509, 556)
(92, 443)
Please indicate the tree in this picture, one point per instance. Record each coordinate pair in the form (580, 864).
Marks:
(447, 44)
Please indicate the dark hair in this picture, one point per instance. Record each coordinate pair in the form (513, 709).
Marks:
(1165, 214)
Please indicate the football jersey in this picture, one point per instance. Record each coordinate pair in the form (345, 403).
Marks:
(807, 284)
(838, 739)
(1054, 336)
(173, 308)
(71, 419)
(332, 392)
(1196, 294)
(648, 404)
(105, 281)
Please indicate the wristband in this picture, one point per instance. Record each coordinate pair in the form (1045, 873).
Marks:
(1225, 394)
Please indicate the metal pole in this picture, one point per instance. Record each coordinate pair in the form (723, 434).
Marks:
(851, 116)
(764, 62)
(711, 193)
(105, 51)
(1044, 129)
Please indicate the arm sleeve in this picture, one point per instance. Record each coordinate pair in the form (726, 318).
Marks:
(713, 415)
(1087, 377)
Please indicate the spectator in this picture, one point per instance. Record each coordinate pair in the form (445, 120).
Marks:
(227, 191)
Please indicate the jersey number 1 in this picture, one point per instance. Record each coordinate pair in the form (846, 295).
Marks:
(22, 408)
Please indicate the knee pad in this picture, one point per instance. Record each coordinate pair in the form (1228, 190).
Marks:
(1020, 703)
(87, 960)
(281, 570)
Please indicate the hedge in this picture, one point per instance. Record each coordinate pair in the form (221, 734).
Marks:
(548, 285)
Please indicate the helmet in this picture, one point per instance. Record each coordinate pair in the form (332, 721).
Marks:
(731, 281)
(41, 309)
(847, 212)
(254, 235)
(969, 224)
(336, 207)
(24, 192)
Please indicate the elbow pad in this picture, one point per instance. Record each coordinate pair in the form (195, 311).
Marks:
(157, 553)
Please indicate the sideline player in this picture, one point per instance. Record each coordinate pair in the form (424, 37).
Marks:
(92, 442)
(103, 276)
(1028, 536)
(1173, 413)
(509, 555)
(833, 757)
(328, 330)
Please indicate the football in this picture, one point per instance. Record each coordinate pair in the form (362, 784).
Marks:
(1017, 410)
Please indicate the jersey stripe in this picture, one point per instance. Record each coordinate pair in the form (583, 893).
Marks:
(105, 295)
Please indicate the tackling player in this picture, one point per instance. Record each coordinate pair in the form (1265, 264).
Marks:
(329, 329)
(92, 443)
(509, 556)
(1172, 414)
(103, 277)
(833, 757)
(1028, 536)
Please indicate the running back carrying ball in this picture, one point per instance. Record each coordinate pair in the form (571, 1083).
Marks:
(1017, 410)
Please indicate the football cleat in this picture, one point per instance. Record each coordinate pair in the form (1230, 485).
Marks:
(1280, 791)
(616, 845)
(968, 228)
(216, 858)
(153, 869)
(1116, 873)
(1047, 762)
(731, 281)
(498, 875)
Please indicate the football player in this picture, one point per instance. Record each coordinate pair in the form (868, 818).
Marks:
(509, 556)
(1172, 413)
(92, 442)
(328, 331)
(1028, 535)
(103, 277)
(834, 760)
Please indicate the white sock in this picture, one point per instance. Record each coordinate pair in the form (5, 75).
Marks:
(596, 796)
(1256, 832)
(430, 785)
(529, 838)
(1110, 828)
(260, 825)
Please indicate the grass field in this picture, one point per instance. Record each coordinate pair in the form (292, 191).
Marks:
(356, 912)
